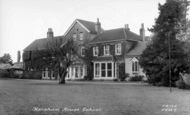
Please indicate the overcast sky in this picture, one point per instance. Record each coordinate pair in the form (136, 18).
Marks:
(23, 21)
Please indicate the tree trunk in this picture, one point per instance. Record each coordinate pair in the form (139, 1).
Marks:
(62, 77)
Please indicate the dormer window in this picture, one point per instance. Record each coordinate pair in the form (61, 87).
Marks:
(118, 49)
(106, 50)
(81, 36)
(95, 51)
(82, 51)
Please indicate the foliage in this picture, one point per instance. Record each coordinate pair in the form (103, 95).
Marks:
(6, 58)
(136, 78)
(180, 84)
(4, 74)
(56, 56)
(89, 64)
(155, 58)
(32, 75)
(122, 74)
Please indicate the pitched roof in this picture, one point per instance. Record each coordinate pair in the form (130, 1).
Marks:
(89, 25)
(116, 34)
(137, 50)
(4, 66)
(40, 44)
(17, 65)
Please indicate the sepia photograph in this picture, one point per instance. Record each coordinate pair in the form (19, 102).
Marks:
(94, 57)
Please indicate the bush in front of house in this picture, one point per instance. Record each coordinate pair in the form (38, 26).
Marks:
(136, 78)
(122, 74)
(180, 84)
(4, 74)
(123, 77)
(32, 75)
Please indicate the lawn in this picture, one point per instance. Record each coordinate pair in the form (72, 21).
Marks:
(41, 97)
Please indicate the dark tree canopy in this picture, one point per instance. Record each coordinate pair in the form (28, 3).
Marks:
(56, 56)
(155, 58)
(6, 58)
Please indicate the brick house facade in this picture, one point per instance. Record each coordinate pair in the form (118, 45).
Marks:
(109, 49)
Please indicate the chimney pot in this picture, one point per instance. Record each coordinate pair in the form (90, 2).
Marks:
(18, 56)
(98, 26)
(142, 32)
(50, 33)
(127, 27)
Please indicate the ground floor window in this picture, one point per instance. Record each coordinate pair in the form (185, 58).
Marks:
(103, 69)
(77, 71)
(81, 70)
(109, 69)
(135, 67)
(97, 69)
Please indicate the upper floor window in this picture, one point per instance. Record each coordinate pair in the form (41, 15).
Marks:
(135, 66)
(74, 36)
(118, 49)
(95, 51)
(106, 50)
(81, 36)
(82, 51)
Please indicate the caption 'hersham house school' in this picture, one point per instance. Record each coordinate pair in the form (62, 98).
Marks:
(126, 45)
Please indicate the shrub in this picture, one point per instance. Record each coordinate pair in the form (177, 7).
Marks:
(87, 78)
(32, 75)
(115, 79)
(4, 74)
(122, 74)
(136, 78)
(180, 84)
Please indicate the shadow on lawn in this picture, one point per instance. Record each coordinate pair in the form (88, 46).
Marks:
(57, 84)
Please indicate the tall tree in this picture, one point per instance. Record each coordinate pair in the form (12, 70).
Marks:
(155, 58)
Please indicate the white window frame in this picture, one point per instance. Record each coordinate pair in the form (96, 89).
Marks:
(98, 75)
(95, 51)
(135, 67)
(82, 48)
(81, 36)
(118, 49)
(97, 69)
(106, 50)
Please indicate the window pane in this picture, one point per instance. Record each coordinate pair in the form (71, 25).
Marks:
(133, 66)
(76, 72)
(82, 51)
(103, 69)
(103, 73)
(109, 66)
(103, 66)
(109, 73)
(81, 36)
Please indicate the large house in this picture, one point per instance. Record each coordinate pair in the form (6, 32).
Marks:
(109, 49)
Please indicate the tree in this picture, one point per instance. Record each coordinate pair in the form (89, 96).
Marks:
(60, 58)
(155, 58)
(6, 58)
(56, 56)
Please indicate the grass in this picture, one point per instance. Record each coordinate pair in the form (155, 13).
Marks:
(20, 97)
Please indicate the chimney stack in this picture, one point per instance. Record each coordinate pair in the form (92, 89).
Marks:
(142, 32)
(127, 27)
(50, 33)
(18, 56)
(98, 26)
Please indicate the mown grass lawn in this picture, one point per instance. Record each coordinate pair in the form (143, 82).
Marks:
(41, 97)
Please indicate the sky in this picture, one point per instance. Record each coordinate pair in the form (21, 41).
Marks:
(23, 21)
